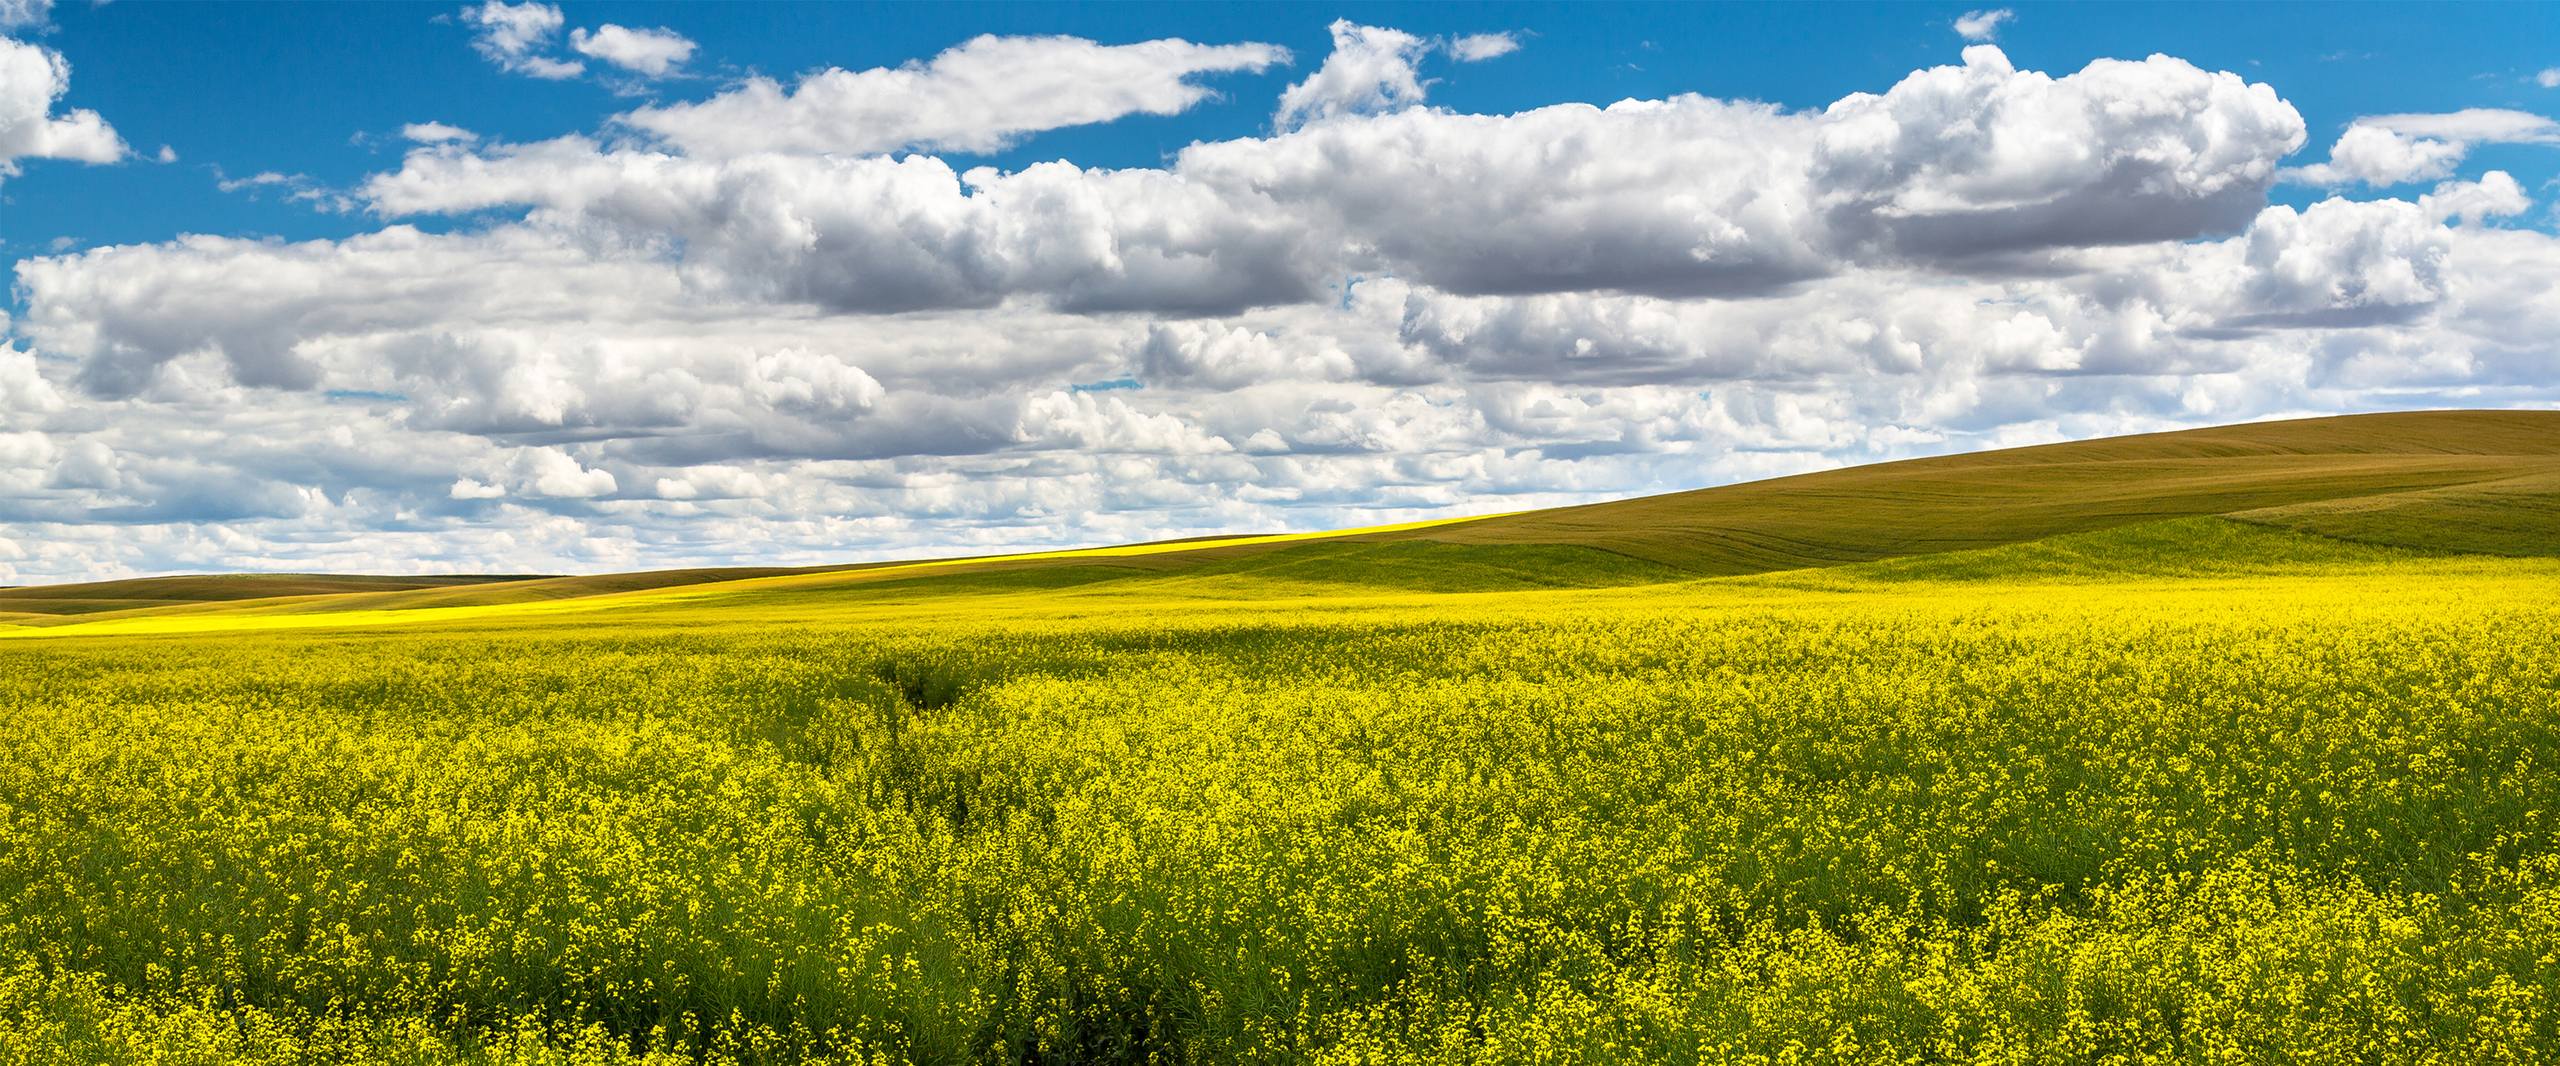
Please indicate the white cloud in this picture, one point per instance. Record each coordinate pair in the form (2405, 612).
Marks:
(2387, 150)
(669, 352)
(2477, 125)
(1478, 47)
(811, 384)
(876, 234)
(1986, 159)
(21, 14)
(541, 473)
(23, 387)
(1687, 196)
(1982, 25)
(2549, 78)
(436, 133)
(649, 53)
(32, 79)
(979, 96)
(2496, 195)
(2344, 263)
(1370, 71)
(2379, 156)
(515, 36)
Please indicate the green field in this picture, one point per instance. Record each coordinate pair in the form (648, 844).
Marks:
(2235, 745)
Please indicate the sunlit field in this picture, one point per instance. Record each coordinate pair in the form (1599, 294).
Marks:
(2193, 791)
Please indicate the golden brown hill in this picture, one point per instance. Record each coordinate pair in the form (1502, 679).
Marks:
(2454, 480)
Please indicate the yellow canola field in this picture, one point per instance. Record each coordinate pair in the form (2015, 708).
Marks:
(2306, 816)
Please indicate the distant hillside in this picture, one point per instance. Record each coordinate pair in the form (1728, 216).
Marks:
(2485, 481)
(99, 596)
(239, 592)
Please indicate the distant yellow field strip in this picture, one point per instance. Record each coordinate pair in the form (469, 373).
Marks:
(1122, 551)
(221, 622)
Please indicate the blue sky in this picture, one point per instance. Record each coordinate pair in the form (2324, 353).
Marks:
(602, 286)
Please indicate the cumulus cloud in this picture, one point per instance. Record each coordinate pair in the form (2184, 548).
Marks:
(2386, 150)
(1984, 158)
(542, 473)
(32, 80)
(260, 310)
(2496, 195)
(881, 234)
(24, 391)
(1982, 25)
(516, 36)
(2380, 156)
(649, 53)
(979, 96)
(812, 384)
(1370, 70)
(1688, 196)
(1684, 197)
(768, 341)
(2344, 263)
(2549, 78)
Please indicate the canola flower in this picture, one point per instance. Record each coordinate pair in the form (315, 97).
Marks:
(2306, 816)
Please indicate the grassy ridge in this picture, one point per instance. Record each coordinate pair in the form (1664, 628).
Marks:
(2512, 516)
(2438, 466)
(155, 592)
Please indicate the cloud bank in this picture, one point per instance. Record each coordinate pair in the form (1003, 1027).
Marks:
(779, 324)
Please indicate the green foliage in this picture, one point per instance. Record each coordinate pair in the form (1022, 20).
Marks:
(2294, 808)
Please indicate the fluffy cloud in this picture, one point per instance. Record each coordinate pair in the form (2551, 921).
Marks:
(514, 36)
(32, 79)
(2342, 263)
(2379, 156)
(2496, 195)
(976, 97)
(1987, 159)
(816, 385)
(2386, 150)
(1982, 25)
(649, 53)
(23, 388)
(538, 473)
(878, 234)
(1370, 70)
(1688, 196)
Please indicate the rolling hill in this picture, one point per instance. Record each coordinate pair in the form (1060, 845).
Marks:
(2483, 482)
